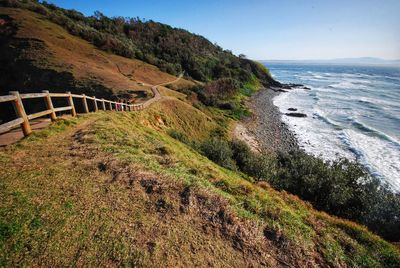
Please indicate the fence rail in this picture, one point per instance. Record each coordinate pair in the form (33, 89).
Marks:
(23, 118)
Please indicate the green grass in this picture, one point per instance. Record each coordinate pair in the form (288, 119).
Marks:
(41, 204)
(248, 201)
(131, 142)
(250, 87)
(245, 92)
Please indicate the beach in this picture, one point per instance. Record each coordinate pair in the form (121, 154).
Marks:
(264, 130)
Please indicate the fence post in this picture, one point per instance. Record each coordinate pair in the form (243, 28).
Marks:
(96, 108)
(49, 105)
(85, 106)
(20, 111)
(71, 103)
(110, 104)
(103, 104)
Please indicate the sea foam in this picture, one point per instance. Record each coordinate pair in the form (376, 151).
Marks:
(352, 112)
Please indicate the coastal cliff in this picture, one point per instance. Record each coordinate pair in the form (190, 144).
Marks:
(168, 185)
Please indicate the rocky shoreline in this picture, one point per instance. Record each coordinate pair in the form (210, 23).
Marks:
(265, 125)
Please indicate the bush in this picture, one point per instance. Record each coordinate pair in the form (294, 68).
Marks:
(333, 187)
(261, 167)
(342, 188)
(227, 106)
(179, 136)
(219, 151)
(383, 212)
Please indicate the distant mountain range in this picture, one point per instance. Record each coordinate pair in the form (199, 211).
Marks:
(355, 61)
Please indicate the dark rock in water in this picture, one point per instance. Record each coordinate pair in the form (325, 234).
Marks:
(296, 114)
(295, 85)
(278, 89)
(292, 109)
(286, 86)
(291, 86)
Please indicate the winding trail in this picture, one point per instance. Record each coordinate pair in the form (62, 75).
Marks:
(16, 134)
(157, 95)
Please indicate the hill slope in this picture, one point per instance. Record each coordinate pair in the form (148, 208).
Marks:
(38, 54)
(171, 49)
(111, 189)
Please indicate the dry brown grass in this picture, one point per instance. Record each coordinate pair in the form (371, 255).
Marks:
(70, 53)
(175, 114)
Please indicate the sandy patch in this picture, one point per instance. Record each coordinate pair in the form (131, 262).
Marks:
(241, 133)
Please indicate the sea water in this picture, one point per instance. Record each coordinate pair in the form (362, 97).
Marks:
(352, 112)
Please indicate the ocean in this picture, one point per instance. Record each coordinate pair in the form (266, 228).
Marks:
(352, 112)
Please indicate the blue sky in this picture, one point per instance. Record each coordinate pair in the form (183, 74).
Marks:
(286, 29)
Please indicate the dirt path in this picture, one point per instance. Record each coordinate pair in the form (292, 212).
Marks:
(16, 134)
(157, 95)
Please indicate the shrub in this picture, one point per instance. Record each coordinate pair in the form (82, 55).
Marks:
(333, 187)
(223, 88)
(227, 106)
(217, 93)
(383, 212)
(241, 153)
(179, 136)
(342, 188)
(261, 167)
(219, 151)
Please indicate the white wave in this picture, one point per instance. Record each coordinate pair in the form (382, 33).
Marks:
(381, 157)
(323, 136)
(346, 84)
(324, 116)
(316, 136)
(352, 115)
(377, 101)
(374, 132)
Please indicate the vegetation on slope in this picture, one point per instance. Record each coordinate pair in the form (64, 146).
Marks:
(38, 54)
(172, 50)
(342, 187)
(116, 189)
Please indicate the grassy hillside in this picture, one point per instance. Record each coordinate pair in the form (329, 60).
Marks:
(135, 188)
(40, 55)
(113, 189)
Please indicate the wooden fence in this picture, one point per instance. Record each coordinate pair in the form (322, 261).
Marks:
(23, 118)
